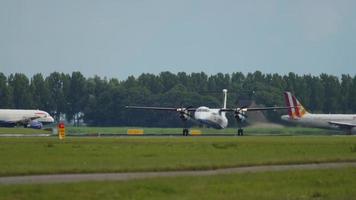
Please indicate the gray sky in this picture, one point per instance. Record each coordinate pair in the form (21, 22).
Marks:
(116, 38)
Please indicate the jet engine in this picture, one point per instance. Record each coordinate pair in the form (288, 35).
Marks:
(353, 131)
(35, 125)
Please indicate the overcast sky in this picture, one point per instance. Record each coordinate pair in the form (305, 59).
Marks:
(116, 38)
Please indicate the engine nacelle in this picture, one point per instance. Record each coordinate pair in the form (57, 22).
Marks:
(183, 116)
(353, 131)
(240, 115)
(35, 125)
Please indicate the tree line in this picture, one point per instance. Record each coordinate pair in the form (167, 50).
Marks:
(101, 101)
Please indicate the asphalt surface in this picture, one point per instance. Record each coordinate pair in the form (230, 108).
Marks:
(69, 178)
(118, 135)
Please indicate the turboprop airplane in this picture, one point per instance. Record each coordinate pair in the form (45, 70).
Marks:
(27, 118)
(211, 117)
(298, 115)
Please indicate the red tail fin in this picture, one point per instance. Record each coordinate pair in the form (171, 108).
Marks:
(288, 103)
(297, 110)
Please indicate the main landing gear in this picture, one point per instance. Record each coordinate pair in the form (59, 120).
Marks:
(185, 132)
(184, 115)
(240, 132)
(240, 117)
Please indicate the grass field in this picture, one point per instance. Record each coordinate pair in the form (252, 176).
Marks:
(299, 184)
(22, 131)
(79, 155)
(147, 130)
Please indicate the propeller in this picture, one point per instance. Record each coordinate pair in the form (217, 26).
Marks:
(184, 113)
(240, 113)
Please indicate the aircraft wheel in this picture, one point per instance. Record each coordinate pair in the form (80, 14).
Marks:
(240, 132)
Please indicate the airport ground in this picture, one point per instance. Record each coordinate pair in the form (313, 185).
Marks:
(48, 155)
(262, 129)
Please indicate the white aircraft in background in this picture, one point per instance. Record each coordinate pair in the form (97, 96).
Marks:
(298, 115)
(27, 118)
(211, 117)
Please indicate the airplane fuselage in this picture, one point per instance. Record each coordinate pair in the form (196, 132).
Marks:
(321, 120)
(211, 117)
(11, 117)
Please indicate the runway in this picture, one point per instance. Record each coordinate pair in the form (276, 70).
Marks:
(71, 178)
(117, 135)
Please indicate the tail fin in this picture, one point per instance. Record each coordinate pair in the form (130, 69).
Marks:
(297, 110)
(225, 97)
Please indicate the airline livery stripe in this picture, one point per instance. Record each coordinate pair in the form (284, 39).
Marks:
(291, 104)
(286, 94)
(297, 108)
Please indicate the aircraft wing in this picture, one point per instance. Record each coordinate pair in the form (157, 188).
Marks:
(160, 108)
(27, 120)
(253, 109)
(267, 108)
(342, 124)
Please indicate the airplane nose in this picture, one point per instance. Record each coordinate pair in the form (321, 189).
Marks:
(198, 115)
(50, 119)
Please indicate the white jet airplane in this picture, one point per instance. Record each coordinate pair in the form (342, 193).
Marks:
(298, 115)
(27, 118)
(211, 117)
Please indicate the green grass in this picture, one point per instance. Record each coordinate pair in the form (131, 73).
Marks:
(299, 184)
(80, 155)
(148, 130)
(23, 131)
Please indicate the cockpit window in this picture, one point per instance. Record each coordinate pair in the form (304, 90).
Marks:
(203, 110)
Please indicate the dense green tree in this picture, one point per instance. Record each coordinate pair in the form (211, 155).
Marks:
(168, 80)
(101, 102)
(22, 97)
(317, 93)
(353, 95)
(41, 93)
(5, 93)
(198, 82)
(58, 103)
(332, 93)
(77, 97)
(151, 82)
(346, 92)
